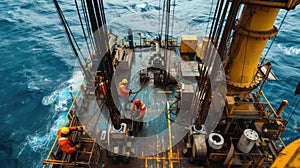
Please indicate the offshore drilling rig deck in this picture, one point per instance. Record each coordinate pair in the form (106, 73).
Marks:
(204, 99)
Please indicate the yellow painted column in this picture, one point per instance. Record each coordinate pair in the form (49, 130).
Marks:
(289, 156)
(252, 32)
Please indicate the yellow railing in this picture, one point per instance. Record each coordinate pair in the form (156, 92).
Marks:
(269, 104)
(70, 111)
(274, 112)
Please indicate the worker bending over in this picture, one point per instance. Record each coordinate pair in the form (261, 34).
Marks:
(65, 142)
(140, 108)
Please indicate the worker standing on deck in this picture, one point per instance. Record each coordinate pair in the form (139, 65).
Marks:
(140, 108)
(64, 141)
(124, 92)
(101, 87)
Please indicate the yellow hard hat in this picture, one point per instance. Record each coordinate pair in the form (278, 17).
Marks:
(124, 81)
(65, 130)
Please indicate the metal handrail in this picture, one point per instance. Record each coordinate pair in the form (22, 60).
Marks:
(271, 107)
(64, 122)
(274, 112)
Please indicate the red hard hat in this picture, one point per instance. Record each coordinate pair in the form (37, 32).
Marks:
(137, 102)
(101, 78)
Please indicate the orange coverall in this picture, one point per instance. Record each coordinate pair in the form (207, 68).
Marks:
(142, 111)
(64, 143)
(123, 91)
(102, 88)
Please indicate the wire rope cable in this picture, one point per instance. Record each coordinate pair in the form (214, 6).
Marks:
(210, 12)
(83, 30)
(173, 20)
(297, 102)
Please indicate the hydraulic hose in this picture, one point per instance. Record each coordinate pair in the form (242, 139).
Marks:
(138, 91)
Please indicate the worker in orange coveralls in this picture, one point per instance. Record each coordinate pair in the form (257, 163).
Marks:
(64, 141)
(124, 94)
(140, 108)
(123, 91)
(101, 88)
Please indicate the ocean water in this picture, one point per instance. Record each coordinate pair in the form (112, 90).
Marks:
(38, 67)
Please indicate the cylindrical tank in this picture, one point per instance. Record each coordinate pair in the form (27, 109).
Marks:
(283, 104)
(247, 140)
(215, 140)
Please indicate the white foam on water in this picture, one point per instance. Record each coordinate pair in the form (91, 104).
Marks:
(63, 93)
(289, 50)
(143, 5)
(32, 86)
(41, 141)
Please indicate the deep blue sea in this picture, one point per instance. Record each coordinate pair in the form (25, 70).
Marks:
(38, 66)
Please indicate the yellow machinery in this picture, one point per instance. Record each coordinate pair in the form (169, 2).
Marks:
(289, 156)
(252, 32)
(241, 55)
(248, 44)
